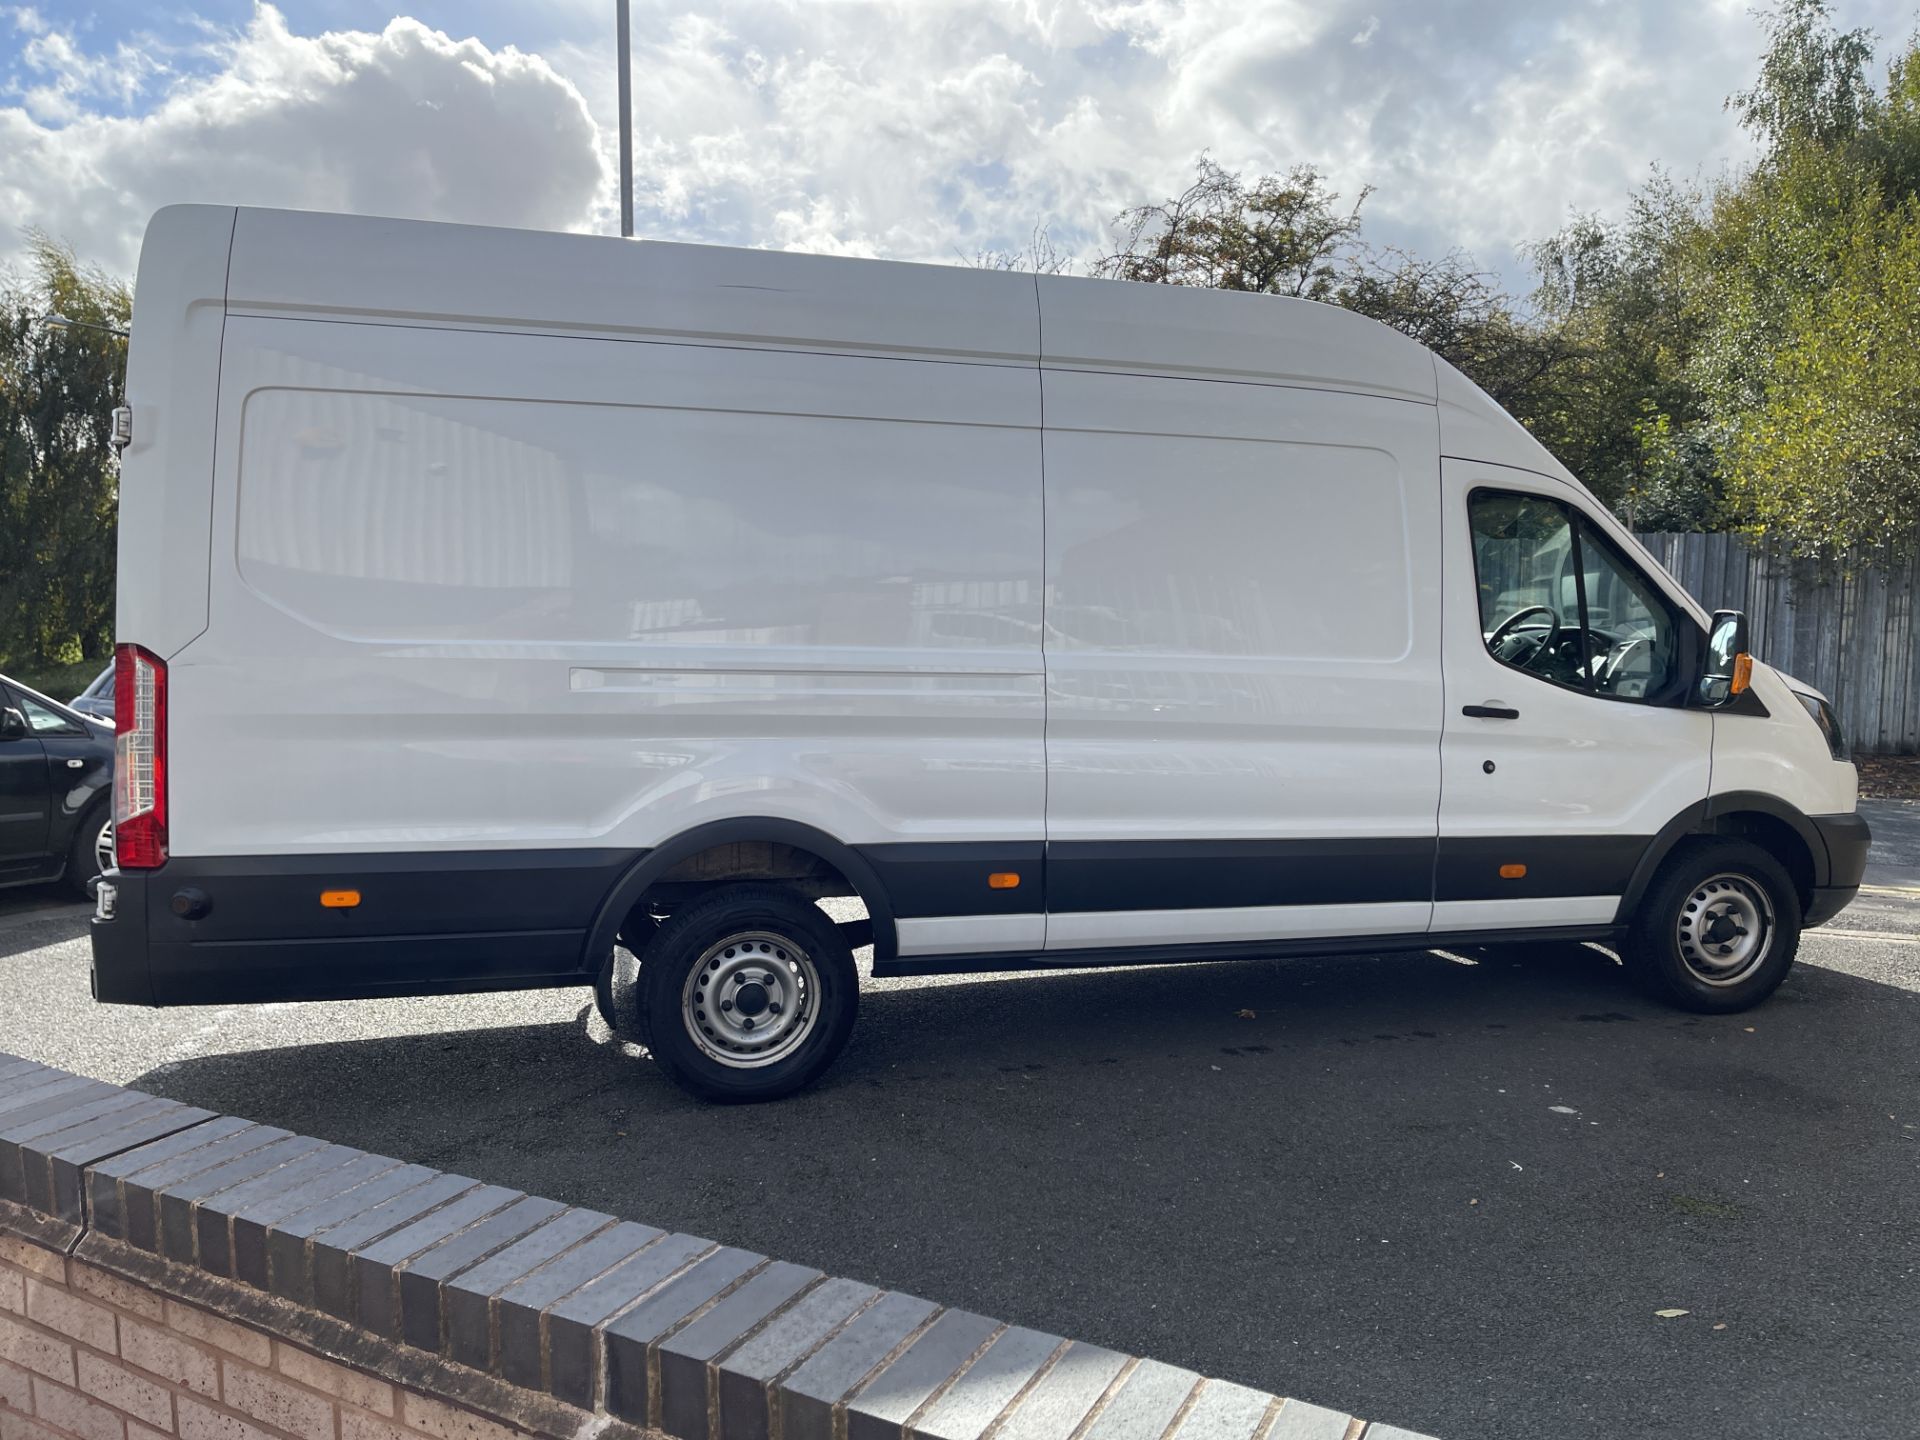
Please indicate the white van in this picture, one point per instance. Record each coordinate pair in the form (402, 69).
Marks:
(487, 598)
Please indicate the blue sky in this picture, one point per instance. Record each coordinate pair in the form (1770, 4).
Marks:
(915, 129)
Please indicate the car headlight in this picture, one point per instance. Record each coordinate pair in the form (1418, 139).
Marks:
(1828, 722)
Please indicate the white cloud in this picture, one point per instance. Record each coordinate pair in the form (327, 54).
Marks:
(925, 128)
(919, 129)
(403, 122)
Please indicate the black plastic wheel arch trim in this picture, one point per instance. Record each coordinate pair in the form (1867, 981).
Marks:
(1701, 818)
(654, 864)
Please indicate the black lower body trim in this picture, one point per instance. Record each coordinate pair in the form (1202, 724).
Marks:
(1233, 950)
(1107, 876)
(937, 877)
(1827, 901)
(1847, 839)
(1555, 866)
(207, 930)
(1089, 876)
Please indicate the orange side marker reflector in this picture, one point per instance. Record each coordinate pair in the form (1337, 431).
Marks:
(1742, 673)
(339, 899)
(1512, 872)
(1003, 880)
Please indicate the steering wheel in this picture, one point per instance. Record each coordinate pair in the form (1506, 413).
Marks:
(1540, 643)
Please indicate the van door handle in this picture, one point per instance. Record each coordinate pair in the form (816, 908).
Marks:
(1490, 712)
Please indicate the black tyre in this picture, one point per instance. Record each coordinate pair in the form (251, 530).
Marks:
(749, 993)
(91, 849)
(1718, 929)
(615, 989)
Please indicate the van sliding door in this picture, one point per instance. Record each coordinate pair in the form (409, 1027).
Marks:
(1243, 662)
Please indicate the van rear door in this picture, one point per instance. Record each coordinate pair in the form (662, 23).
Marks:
(1565, 750)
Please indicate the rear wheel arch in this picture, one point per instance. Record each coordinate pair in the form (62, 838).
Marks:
(655, 865)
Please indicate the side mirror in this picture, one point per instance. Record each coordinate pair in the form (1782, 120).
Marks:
(1729, 665)
(13, 725)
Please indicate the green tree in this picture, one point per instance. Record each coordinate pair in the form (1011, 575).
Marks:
(58, 473)
(1800, 284)
(1624, 416)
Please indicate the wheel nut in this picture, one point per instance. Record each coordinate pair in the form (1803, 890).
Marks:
(726, 1005)
(773, 1008)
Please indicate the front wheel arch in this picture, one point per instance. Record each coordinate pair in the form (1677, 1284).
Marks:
(1771, 823)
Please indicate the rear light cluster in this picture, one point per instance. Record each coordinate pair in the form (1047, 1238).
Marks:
(139, 758)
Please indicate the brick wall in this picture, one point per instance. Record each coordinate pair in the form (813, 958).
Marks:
(88, 1355)
(168, 1272)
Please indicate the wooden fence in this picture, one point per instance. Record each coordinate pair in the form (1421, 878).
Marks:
(1849, 630)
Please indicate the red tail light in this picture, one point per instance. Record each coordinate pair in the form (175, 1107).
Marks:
(139, 758)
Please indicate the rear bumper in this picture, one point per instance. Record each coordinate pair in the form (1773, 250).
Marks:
(1847, 840)
(204, 931)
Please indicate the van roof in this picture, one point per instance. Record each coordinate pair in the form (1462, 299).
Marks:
(297, 262)
(312, 264)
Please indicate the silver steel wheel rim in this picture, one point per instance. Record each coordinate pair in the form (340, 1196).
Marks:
(752, 1000)
(103, 848)
(1725, 930)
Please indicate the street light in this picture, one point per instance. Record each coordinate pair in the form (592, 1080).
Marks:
(626, 121)
(61, 322)
(120, 423)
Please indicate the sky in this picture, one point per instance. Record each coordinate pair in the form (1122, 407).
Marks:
(909, 129)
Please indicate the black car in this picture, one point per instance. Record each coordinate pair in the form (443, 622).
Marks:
(56, 791)
(96, 701)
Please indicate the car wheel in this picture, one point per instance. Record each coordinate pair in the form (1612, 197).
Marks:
(1718, 930)
(91, 853)
(749, 993)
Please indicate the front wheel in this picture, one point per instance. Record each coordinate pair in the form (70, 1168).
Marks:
(747, 994)
(1718, 930)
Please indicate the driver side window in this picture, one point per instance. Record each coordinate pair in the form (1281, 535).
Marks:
(1560, 603)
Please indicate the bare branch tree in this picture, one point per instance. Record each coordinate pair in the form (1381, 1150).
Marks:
(1040, 256)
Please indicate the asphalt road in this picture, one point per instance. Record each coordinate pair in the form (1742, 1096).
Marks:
(1450, 1195)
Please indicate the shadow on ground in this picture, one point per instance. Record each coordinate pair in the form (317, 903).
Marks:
(31, 926)
(1445, 1194)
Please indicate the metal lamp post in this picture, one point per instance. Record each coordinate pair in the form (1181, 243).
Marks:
(626, 121)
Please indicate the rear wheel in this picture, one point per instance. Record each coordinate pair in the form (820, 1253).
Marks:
(748, 993)
(91, 851)
(1718, 931)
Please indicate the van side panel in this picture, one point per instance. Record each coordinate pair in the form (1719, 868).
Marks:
(1243, 659)
(479, 591)
(166, 474)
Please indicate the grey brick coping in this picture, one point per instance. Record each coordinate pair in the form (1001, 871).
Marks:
(663, 1331)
